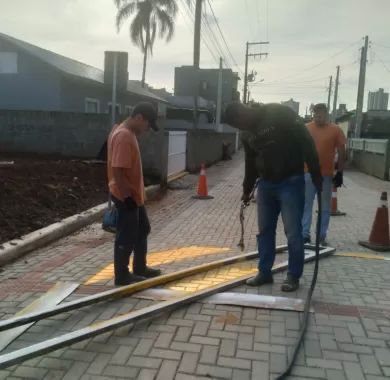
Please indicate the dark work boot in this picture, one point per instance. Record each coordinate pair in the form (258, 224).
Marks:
(259, 280)
(129, 279)
(149, 272)
(290, 284)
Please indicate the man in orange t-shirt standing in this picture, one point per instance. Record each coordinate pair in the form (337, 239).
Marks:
(126, 184)
(329, 140)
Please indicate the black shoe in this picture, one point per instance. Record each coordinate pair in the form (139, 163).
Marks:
(307, 240)
(129, 279)
(259, 280)
(323, 243)
(149, 272)
(290, 284)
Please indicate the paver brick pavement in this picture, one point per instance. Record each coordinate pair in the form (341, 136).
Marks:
(348, 335)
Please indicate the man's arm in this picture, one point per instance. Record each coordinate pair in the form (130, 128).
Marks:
(311, 156)
(341, 158)
(250, 170)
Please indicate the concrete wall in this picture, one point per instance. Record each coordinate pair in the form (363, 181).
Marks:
(206, 146)
(54, 133)
(154, 152)
(35, 86)
(371, 163)
(74, 135)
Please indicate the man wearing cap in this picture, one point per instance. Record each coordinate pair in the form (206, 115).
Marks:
(277, 145)
(330, 141)
(126, 185)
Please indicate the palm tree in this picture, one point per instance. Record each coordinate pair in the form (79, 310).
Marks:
(149, 16)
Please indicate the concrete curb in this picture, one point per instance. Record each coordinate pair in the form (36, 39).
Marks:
(17, 248)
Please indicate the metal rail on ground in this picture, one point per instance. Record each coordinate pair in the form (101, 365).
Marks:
(146, 313)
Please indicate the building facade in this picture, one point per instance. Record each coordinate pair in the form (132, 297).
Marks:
(186, 81)
(378, 100)
(32, 78)
(292, 104)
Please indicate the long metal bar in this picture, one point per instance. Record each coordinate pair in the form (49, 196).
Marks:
(95, 329)
(54, 296)
(230, 298)
(125, 290)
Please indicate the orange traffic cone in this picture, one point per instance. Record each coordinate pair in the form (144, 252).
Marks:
(379, 238)
(334, 211)
(202, 185)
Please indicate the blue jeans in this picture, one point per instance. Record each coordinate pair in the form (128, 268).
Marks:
(288, 198)
(310, 194)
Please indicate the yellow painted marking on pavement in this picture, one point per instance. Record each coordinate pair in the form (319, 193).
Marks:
(214, 277)
(159, 258)
(363, 255)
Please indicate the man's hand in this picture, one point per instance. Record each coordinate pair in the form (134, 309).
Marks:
(338, 179)
(317, 182)
(130, 203)
(246, 199)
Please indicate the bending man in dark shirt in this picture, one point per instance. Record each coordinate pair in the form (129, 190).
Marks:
(277, 145)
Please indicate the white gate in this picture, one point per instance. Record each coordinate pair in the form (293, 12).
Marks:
(177, 148)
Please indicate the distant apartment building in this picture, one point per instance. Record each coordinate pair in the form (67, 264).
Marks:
(377, 100)
(292, 104)
(186, 81)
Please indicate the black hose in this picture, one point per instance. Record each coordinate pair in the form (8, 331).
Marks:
(302, 332)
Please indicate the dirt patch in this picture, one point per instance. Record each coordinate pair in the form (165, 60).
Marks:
(37, 192)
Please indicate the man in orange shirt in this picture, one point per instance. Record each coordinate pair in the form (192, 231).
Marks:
(329, 140)
(126, 184)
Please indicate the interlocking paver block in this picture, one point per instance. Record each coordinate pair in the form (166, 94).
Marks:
(144, 362)
(209, 355)
(167, 370)
(353, 371)
(189, 362)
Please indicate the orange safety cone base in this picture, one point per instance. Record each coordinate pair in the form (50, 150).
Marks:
(337, 213)
(202, 197)
(375, 247)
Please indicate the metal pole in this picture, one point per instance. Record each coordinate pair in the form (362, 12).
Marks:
(219, 98)
(336, 90)
(113, 107)
(197, 32)
(114, 80)
(246, 73)
(329, 92)
(360, 96)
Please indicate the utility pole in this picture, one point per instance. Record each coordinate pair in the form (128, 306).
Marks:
(247, 55)
(336, 92)
(219, 97)
(114, 84)
(360, 96)
(329, 92)
(197, 31)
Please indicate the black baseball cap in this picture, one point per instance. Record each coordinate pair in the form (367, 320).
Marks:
(148, 112)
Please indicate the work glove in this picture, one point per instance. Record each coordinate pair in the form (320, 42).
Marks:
(317, 182)
(338, 179)
(246, 199)
(130, 203)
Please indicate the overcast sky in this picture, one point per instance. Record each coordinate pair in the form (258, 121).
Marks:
(308, 39)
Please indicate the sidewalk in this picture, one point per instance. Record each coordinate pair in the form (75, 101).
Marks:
(349, 333)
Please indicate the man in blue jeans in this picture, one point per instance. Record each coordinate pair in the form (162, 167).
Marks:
(328, 139)
(277, 145)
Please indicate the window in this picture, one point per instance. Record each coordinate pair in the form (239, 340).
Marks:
(8, 63)
(128, 110)
(91, 105)
(117, 108)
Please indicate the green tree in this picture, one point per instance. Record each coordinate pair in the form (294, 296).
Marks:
(148, 17)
